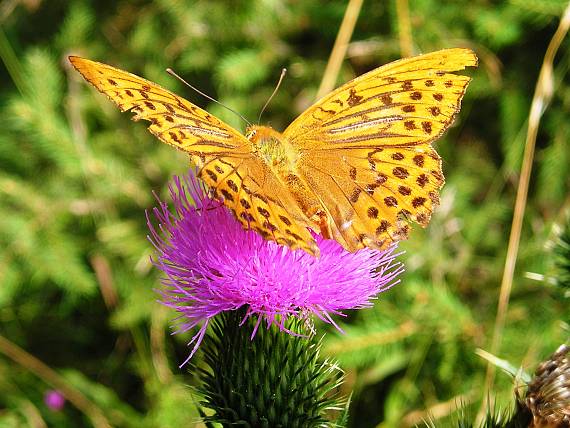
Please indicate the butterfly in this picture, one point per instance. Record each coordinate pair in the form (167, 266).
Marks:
(358, 166)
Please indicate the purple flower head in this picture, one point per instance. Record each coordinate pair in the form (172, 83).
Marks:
(213, 265)
(54, 400)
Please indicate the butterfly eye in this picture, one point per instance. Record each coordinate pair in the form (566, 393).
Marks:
(251, 134)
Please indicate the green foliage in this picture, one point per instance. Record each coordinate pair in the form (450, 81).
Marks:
(561, 252)
(76, 177)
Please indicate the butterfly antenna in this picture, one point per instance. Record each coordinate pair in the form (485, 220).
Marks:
(172, 73)
(283, 72)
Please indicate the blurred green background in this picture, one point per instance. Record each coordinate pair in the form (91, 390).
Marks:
(77, 306)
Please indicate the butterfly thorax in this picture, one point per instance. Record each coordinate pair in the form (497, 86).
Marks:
(273, 149)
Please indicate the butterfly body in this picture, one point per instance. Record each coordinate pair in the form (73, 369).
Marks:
(358, 166)
(272, 148)
(282, 158)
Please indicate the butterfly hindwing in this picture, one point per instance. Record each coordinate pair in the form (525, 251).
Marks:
(245, 186)
(369, 207)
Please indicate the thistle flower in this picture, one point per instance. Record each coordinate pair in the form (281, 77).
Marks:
(54, 400)
(212, 265)
(548, 395)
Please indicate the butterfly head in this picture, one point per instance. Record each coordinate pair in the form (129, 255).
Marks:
(257, 134)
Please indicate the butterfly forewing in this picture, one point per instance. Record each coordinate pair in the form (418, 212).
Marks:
(173, 119)
(377, 104)
(224, 156)
(366, 147)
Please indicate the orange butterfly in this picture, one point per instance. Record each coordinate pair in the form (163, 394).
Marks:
(357, 166)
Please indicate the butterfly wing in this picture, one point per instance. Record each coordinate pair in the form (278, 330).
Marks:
(258, 200)
(366, 149)
(174, 120)
(224, 156)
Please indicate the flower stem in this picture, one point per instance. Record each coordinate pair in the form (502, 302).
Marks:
(271, 380)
